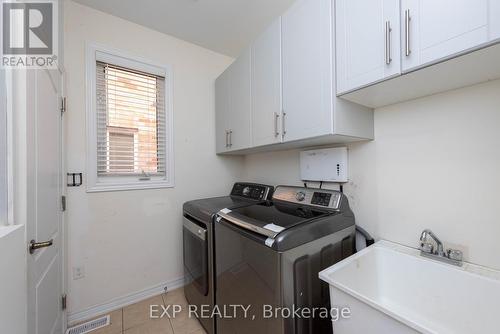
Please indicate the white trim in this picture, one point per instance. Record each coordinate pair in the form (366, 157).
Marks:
(134, 63)
(125, 300)
(124, 185)
(96, 52)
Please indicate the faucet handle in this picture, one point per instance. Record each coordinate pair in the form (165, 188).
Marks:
(454, 254)
(427, 247)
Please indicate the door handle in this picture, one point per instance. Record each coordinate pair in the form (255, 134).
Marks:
(33, 246)
(230, 138)
(407, 32)
(276, 119)
(227, 138)
(195, 229)
(283, 125)
(388, 30)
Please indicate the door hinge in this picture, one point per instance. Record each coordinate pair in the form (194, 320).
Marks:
(63, 203)
(63, 105)
(64, 302)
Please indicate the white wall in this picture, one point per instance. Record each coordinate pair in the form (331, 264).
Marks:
(129, 241)
(434, 164)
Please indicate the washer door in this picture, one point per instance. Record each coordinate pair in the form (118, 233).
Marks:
(195, 255)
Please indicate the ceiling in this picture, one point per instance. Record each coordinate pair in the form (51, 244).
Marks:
(224, 26)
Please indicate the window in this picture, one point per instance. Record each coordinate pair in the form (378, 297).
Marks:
(130, 131)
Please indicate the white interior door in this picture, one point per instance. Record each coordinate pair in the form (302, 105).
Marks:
(44, 217)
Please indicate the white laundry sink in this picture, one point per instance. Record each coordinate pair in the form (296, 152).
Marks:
(391, 289)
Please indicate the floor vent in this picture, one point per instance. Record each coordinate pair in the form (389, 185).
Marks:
(89, 326)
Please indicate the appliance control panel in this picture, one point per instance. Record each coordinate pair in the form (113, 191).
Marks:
(321, 198)
(258, 192)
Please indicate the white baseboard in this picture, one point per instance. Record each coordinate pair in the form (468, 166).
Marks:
(123, 301)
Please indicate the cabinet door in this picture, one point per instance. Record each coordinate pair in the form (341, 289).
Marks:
(239, 115)
(435, 30)
(307, 69)
(266, 87)
(368, 42)
(494, 14)
(222, 105)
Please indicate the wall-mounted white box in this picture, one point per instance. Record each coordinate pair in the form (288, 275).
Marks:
(327, 165)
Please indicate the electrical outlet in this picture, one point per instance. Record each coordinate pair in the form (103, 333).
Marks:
(78, 272)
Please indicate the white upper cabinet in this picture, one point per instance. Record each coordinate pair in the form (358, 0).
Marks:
(444, 45)
(222, 106)
(266, 87)
(233, 106)
(368, 42)
(282, 90)
(435, 30)
(239, 116)
(494, 16)
(307, 69)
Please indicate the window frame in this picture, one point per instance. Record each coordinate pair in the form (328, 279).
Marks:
(95, 183)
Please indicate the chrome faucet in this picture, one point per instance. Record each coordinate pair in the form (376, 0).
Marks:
(451, 256)
(429, 233)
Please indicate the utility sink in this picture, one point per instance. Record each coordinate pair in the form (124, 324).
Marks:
(391, 289)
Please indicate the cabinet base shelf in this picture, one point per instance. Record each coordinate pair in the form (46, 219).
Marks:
(304, 143)
(467, 70)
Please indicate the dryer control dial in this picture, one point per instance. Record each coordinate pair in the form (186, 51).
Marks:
(300, 196)
(246, 191)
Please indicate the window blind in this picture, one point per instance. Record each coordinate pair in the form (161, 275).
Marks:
(131, 129)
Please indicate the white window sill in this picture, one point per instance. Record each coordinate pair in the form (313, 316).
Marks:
(133, 185)
(7, 230)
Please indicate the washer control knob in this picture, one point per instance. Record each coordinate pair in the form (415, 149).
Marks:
(300, 196)
(246, 191)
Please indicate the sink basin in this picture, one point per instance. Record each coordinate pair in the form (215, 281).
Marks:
(390, 288)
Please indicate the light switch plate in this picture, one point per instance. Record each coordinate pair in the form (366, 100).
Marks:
(78, 272)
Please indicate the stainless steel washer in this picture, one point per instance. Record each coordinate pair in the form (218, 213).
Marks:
(269, 255)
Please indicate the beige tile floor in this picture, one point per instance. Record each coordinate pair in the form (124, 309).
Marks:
(135, 319)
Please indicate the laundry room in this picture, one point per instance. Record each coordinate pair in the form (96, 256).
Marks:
(240, 167)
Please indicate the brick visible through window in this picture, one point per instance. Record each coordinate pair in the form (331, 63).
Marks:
(130, 122)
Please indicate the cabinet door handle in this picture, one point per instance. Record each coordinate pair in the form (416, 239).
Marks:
(230, 138)
(276, 119)
(227, 139)
(388, 31)
(283, 125)
(407, 32)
